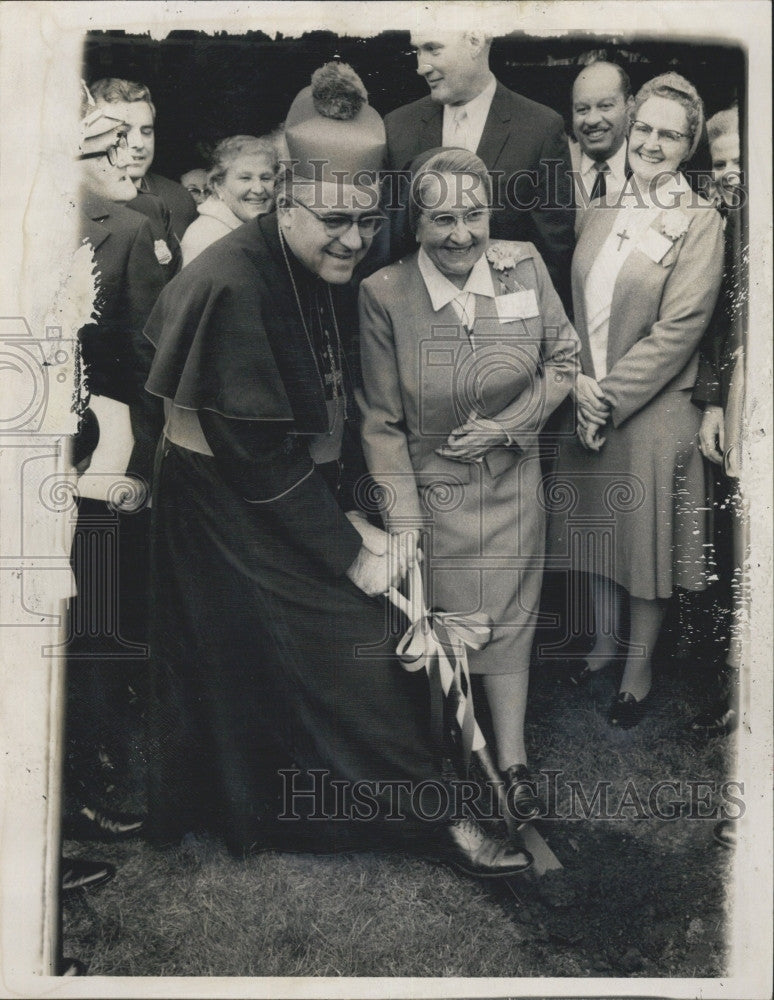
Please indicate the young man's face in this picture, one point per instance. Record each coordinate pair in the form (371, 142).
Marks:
(140, 134)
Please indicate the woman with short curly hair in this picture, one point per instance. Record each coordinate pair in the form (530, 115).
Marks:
(241, 178)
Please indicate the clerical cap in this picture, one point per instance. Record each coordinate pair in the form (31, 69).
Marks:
(332, 131)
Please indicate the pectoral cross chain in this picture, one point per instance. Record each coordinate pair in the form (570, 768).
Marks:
(621, 237)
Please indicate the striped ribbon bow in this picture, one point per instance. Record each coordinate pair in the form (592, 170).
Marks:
(438, 642)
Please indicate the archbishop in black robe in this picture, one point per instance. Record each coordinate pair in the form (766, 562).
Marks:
(264, 653)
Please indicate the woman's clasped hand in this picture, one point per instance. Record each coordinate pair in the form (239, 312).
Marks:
(592, 412)
(473, 439)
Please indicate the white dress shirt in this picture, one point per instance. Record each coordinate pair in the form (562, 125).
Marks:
(463, 124)
(615, 176)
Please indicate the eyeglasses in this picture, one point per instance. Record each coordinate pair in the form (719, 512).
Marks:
(472, 219)
(662, 134)
(337, 224)
(111, 152)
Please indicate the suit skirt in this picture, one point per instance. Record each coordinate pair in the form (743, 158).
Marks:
(485, 553)
(635, 512)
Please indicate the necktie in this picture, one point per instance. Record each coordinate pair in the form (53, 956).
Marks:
(460, 127)
(599, 188)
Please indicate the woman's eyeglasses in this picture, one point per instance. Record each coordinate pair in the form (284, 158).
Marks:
(111, 152)
(472, 219)
(337, 224)
(644, 131)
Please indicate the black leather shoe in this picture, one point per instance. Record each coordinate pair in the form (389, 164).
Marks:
(521, 798)
(96, 824)
(626, 711)
(77, 873)
(465, 845)
(725, 833)
(719, 720)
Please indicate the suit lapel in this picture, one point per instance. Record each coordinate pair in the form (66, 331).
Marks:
(430, 131)
(496, 128)
(95, 231)
(95, 216)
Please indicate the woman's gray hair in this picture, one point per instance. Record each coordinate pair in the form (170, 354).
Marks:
(725, 122)
(674, 87)
(445, 161)
(229, 149)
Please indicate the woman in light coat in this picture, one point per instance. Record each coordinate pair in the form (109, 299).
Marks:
(628, 498)
(466, 351)
(241, 179)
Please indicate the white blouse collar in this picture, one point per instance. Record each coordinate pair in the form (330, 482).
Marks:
(442, 291)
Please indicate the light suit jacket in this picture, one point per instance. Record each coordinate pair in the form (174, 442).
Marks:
(422, 378)
(660, 308)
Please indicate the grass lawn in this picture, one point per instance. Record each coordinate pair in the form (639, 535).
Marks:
(636, 896)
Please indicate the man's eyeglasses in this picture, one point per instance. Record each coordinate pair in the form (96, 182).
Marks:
(644, 131)
(337, 223)
(111, 152)
(475, 218)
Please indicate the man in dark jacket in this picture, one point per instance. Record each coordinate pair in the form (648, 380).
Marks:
(522, 143)
(132, 103)
(115, 359)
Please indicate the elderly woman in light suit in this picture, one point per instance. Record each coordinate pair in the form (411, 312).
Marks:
(466, 350)
(629, 489)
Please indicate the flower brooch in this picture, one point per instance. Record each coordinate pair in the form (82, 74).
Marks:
(675, 224)
(500, 256)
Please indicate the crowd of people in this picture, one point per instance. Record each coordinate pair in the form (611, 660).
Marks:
(531, 359)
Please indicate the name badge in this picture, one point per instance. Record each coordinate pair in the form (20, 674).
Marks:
(517, 305)
(654, 245)
(163, 253)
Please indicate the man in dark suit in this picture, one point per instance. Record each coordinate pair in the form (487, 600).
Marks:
(116, 357)
(601, 105)
(522, 143)
(132, 103)
(130, 278)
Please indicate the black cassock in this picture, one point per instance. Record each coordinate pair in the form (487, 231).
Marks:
(264, 654)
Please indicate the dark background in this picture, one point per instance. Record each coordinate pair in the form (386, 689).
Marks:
(207, 87)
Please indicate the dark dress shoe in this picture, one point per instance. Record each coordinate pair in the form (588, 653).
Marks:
(71, 967)
(719, 720)
(77, 873)
(520, 796)
(97, 824)
(725, 833)
(465, 845)
(626, 711)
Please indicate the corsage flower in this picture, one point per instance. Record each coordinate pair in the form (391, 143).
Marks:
(675, 224)
(499, 257)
